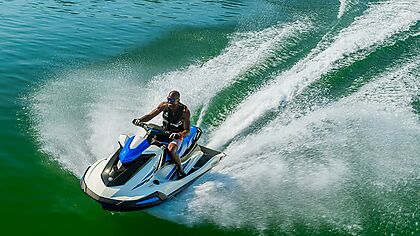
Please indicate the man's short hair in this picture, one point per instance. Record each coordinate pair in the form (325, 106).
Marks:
(175, 94)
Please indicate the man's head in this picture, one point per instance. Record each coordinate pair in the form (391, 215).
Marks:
(173, 98)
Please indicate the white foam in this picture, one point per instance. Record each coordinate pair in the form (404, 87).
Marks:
(378, 24)
(307, 170)
(61, 114)
(344, 5)
(395, 89)
(342, 8)
(199, 83)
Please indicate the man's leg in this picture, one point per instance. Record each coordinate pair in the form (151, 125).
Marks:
(174, 156)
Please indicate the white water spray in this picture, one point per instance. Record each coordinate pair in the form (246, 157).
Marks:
(310, 171)
(79, 115)
(384, 19)
(342, 9)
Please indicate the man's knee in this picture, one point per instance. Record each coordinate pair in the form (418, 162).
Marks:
(172, 147)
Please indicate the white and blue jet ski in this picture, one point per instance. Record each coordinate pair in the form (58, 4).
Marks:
(141, 173)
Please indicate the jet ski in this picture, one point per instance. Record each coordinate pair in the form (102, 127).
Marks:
(140, 174)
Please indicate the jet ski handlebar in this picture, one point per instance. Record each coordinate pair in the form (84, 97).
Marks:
(142, 125)
(149, 126)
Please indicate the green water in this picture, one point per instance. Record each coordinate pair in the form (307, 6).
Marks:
(316, 104)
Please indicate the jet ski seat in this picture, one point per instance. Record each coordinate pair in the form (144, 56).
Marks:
(187, 144)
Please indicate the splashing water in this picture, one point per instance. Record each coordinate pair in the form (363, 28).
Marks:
(74, 111)
(342, 9)
(385, 19)
(317, 170)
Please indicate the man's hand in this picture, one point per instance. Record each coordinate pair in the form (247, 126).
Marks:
(175, 136)
(136, 122)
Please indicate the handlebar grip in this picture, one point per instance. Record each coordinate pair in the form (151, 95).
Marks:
(143, 125)
(137, 122)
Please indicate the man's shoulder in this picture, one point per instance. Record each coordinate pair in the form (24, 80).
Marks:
(186, 110)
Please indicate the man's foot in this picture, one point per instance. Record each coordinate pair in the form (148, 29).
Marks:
(181, 174)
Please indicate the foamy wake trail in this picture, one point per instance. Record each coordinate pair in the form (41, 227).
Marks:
(79, 115)
(199, 83)
(395, 91)
(379, 23)
(342, 8)
(344, 4)
(320, 169)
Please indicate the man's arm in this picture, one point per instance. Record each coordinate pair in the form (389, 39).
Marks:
(186, 117)
(153, 113)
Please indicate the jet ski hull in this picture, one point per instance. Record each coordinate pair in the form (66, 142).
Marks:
(154, 199)
(143, 192)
